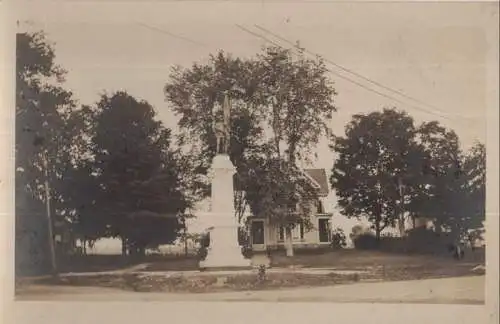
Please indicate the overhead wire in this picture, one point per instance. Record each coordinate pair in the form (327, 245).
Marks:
(166, 32)
(304, 50)
(300, 50)
(351, 71)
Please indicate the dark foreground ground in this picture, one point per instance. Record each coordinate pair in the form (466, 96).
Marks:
(459, 290)
(181, 275)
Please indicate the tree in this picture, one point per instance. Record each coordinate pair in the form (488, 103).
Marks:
(194, 92)
(454, 193)
(44, 131)
(292, 97)
(469, 197)
(474, 188)
(278, 191)
(82, 189)
(139, 178)
(297, 99)
(376, 159)
(386, 167)
(443, 177)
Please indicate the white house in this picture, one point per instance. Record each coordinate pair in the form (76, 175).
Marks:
(264, 235)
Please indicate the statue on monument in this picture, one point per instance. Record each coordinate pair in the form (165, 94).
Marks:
(224, 249)
(222, 127)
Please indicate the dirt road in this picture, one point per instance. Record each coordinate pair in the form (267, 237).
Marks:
(460, 290)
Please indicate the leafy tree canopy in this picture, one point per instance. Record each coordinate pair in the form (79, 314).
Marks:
(387, 168)
(138, 177)
(45, 126)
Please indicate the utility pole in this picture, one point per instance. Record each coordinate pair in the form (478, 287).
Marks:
(401, 208)
(49, 216)
(183, 217)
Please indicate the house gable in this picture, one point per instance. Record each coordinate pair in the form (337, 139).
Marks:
(319, 176)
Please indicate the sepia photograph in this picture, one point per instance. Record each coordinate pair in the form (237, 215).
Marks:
(251, 151)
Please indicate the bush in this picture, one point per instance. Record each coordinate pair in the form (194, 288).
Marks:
(358, 230)
(365, 241)
(393, 244)
(243, 237)
(338, 239)
(202, 253)
(204, 240)
(204, 243)
(418, 240)
(422, 240)
(244, 242)
(247, 251)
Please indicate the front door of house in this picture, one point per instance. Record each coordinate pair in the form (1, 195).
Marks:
(257, 234)
(324, 230)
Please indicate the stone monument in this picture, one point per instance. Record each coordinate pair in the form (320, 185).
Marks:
(224, 250)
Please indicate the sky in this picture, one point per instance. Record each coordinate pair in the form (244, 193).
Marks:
(435, 52)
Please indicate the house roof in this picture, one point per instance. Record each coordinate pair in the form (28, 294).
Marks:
(319, 175)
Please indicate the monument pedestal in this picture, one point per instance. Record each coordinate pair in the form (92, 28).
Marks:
(224, 250)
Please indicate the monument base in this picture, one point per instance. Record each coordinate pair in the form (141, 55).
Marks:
(224, 251)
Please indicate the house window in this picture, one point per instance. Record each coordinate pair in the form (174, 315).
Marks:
(297, 233)
(257, 231)
(324, 230)
(319, 207)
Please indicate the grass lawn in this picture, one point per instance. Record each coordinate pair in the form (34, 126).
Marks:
(348, 259)
(356, 259)
(377, 266)
(98, 263)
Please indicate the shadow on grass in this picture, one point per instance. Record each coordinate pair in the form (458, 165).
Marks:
(105, 263)
(359, 259)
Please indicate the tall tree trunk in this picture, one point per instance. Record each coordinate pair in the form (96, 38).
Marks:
(84, 247)
(276, 127)
(277, 143)
(401, 216)
(288, 241)
(402, 227)
(291, 153)
(378, 219)
(124, 246)
(185, 240)
(141, 251)
(437, 228)
(377, 228)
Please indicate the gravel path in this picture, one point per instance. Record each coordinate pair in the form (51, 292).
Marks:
(140, 271)
(461, 290)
